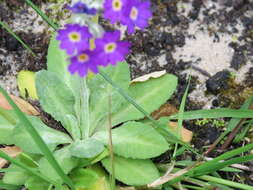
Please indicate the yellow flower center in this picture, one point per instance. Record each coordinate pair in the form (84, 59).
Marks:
(116, 5)
(74, 37)
(83, 58)
(134, 13)
(110, 47)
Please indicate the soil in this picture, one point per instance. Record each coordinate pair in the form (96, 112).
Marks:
(211, 40)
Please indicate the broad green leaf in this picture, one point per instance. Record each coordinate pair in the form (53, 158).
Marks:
(35, 183)
(87, 148)
(150, 95)
(6, 129)
(26, 84)
(101, 91)
(133, 171)
(55, 97)
(72, 126)
(135, 140)
(65, 160)
(57, 62)
(90, 178)
(16, 176)
(50, 136)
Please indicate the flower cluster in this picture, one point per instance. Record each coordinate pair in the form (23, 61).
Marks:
(75, 38)
(128, 12)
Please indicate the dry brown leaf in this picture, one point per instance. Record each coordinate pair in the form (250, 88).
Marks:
(165, 110)
(12, 151)
(22, 104)
(186, 134)
(143, 78)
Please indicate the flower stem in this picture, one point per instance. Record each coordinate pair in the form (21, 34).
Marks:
(84, 117)
(112, 176)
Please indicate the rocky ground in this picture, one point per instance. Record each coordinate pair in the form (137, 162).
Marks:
(211, 40)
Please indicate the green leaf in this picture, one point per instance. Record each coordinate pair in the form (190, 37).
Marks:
(57, 62)
(90, 178)
(16, 176)
(6, 129)
(50, 136)
(65, 160)
(26, 84)
(135, 140)
(55, 97)
(101, 90)
(87, 148)
(35, 183)
(72, 126)
(133, 171)
(150, 95)
(39, 142)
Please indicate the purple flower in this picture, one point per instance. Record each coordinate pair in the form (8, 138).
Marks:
(114, 10)
(80, 7)
(110, 50)
(74, 38)
(137, 14)
(82, 63)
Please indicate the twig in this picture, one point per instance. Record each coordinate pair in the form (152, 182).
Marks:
(234, 132)
(230, 137)
(168, 176)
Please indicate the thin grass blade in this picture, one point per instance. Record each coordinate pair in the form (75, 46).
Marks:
(215, 113)
(8, 29)
(43, 15)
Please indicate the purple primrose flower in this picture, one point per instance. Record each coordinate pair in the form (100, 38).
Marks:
(74, 38)
(110, 50)
(137, 13)
(82, 63)
(114, 10)
(80, 7)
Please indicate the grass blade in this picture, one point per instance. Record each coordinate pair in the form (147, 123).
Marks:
(43, 15)
(215, 113)
(180, 116)
(226, 182)
(8, 29)
(38, 140)
(210, 166)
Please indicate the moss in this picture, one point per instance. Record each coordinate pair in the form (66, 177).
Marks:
(218, 123)
(235, 95)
